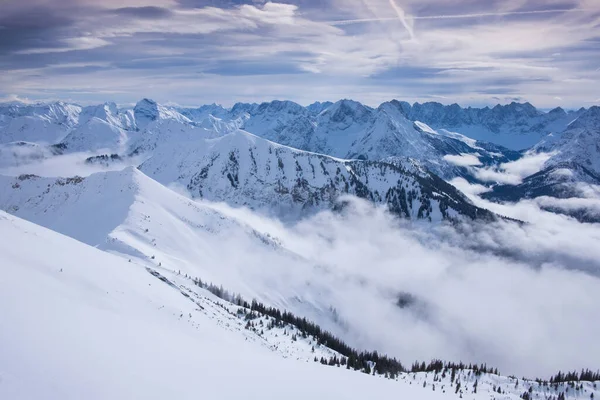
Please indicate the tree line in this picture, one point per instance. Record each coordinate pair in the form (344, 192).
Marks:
(369, 361)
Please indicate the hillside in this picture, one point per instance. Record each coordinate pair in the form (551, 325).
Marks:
(122, 329)
(118, 332)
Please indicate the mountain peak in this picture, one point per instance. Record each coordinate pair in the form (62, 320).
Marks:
(557, 111)
(589, 119)
(318, 107)
(346, 111)
(147, 111)
(276, 106)
(402, 107)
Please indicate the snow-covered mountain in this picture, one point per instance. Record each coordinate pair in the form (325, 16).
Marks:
(558, 180)
(217, 161)
(245, 170)
(516, 126)
(317, 107)
(429, 134)
(564, 188)
(579, 143)
(42, 123)
(148, 111)
(571, 173)
(100, 127)
(348, 129)
(337, 125)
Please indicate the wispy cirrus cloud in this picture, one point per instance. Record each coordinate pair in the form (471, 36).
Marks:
(462, 16)
(465, 51)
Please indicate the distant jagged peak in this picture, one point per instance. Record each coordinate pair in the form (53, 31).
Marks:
(318, 107)
(589, 119)
(280, 106)
(58, 112)
(102, 111)
(214, 107)
(243, 108)
(402, 107)
(147, 107)
(558, 111)
(147, 111)
(344, 110)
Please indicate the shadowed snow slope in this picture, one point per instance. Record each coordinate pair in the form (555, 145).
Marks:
(80, 323)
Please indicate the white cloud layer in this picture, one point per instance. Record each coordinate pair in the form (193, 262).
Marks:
(463, 160)
(472, 286)
(513, 172)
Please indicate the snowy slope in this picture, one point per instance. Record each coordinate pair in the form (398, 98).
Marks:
(81, 323)
(147, 221)
(66, 205)
(129, 214)
(152, 225)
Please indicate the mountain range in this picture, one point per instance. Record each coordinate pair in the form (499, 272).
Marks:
(288, 159)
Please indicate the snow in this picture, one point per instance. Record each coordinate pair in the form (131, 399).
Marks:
(244, 170)
(80, 323)
(128, 214)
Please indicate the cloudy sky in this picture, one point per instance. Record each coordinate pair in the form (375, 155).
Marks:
(192, 52)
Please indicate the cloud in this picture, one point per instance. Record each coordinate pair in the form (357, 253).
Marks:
(513, 172)
(9, 98)
(590, 206)
(474, 284)
(461, 16)
(469, 188)
(69, 44)
(463, 160)
(39, 160)
(151, 12)
(403, 18)
(405, 51)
